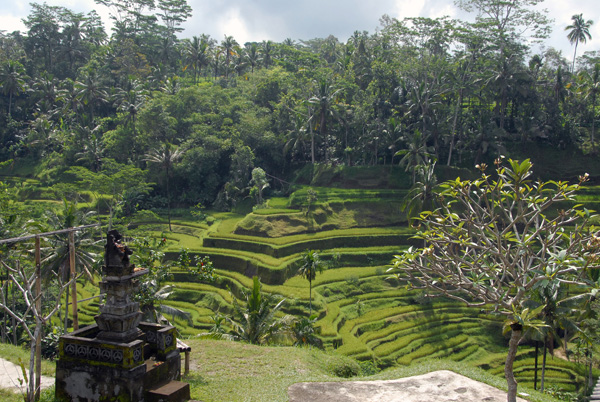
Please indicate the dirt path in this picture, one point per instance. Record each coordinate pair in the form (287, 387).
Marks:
(437, 386)
(10, 374)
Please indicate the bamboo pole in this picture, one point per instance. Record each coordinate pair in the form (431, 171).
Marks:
(38, 307)
(73, 276)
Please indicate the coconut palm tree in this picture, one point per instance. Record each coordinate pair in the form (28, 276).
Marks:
(57, 253)
(229, 45)
(416, 154)
(590, 87)
(166, 156)
(12, 78)
(324, 100)
(311, 263)
(579, 31)
(421, 197)
(255, 322)
(91, 92)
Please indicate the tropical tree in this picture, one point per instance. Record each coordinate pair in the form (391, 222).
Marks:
(304, 331)
(492, 241)
(57, 252)
(311, 263)
(416, 154)
(114, 184)
(260, 182)
(153, 291)
(166, 156)
(256, 320)
(12, 78)
(228, 45)
(91, 92)
(324, 100)
(421, 196)
(579, 31)
(591, 89)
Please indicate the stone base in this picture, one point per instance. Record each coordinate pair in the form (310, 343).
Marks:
(88, 383)
(91, 369)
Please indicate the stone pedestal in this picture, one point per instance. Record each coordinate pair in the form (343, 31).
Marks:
(119, 358)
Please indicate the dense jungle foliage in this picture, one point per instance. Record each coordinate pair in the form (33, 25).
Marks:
(194, 116)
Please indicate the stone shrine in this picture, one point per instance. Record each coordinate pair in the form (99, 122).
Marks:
(119, 358)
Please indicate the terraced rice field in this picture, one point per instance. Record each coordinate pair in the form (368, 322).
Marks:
(363, 310)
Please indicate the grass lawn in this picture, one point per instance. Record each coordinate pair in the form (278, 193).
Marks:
(239, 372)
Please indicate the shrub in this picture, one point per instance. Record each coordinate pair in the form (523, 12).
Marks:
(344, 367)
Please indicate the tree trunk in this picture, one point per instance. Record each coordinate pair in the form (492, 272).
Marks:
(544, 365)
(31, 383)
(515, 338)
(535, 378)
(310, 298)
(38, 323)
(74, 278)
(590, 375)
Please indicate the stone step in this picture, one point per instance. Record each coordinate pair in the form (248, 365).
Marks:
(172, 391)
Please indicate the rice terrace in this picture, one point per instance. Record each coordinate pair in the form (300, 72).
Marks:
(284, 221)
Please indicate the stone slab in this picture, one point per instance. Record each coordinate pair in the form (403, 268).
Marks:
(173, 391)
(437, 386)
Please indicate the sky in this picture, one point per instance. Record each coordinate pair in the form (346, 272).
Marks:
(276, 20)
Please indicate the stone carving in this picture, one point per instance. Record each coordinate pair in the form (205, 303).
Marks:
(116, 254)
(119, 315)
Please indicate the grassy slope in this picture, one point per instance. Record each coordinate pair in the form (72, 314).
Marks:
(231, 371)
(336, 292)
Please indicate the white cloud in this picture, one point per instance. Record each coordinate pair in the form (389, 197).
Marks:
(232, 24)
(11, 23)
(407, 9)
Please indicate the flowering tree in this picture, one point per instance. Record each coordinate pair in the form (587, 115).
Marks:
(495, 239)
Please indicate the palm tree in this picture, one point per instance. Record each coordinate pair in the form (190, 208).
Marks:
(57, 260)
(228, 45)
(311, 263)
(266, 51)
(166, 156)
(579, 31)
(12, 77)
(421, 197)
(416, 154)
(192, 54)
(252, 56)
(255, 322)
(296, 136)
(591, 89)
(154, 310)
(91, 92)
(130, 101)
(324, 99)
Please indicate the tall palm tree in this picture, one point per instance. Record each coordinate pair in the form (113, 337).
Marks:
(252, 56)
(12, 78)
(421, 196)
(228, 45)
(416, 154)
(192, 54)
(324, 99)
(591, 90)
(91, 92)
(579, 31)
(266, 51)
(311, 263)
(130, 100)
(166, 156)
(86, 247)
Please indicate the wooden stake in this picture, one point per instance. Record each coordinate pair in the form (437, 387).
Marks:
(73, 276)
(38, 307)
